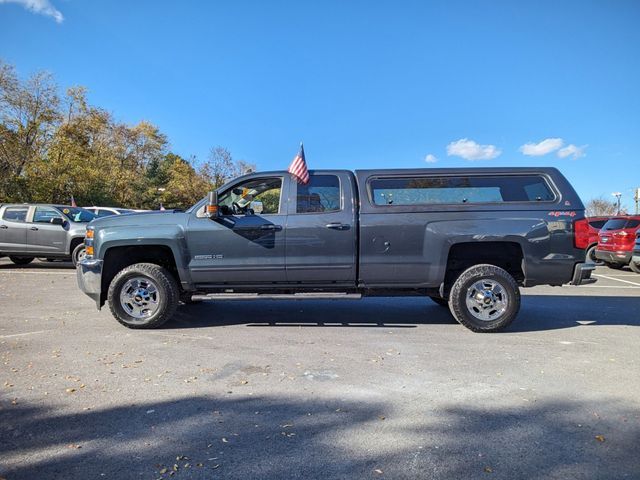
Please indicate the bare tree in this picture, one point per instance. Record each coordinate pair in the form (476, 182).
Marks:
(221, 167)
(600, 207)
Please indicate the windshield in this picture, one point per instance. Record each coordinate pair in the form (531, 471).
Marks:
(76, 214)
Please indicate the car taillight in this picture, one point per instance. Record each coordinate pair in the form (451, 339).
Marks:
(581, 233)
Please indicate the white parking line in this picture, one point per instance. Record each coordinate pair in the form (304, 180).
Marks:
(37, 272)
(23, 334)
(618, 280)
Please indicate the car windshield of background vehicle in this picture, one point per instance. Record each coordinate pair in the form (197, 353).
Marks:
(76, 214)
(615, 224)
(455, 190)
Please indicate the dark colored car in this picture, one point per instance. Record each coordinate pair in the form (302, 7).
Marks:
(467, 238)
(634, 264)
(616, 241)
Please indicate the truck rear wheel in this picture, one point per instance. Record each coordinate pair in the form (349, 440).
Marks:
(143, 295)
(485, 298)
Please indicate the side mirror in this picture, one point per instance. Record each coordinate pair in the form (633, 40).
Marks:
(57, 221)
(256, 206)
(212, 205)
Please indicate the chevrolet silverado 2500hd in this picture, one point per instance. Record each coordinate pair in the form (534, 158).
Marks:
(466, 238)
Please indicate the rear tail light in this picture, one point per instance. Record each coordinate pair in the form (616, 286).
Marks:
(581, 233)
(621, 234)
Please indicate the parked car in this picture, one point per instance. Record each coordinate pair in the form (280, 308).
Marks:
(616, 241)
(591, 236)
(107, 211)
(38, 230)
(467, 238)
(634, 264)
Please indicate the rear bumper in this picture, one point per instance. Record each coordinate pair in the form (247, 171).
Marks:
(622, 257)
(582, 274)
(89, 276)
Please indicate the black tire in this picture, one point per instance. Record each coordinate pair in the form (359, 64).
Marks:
(590, 256)
(615, 266)
(167, 295)
(78, 254)
(507, 298)
(21, 260)
(634, 267)
(443, 302)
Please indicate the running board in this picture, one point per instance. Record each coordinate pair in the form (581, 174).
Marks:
(284, 296)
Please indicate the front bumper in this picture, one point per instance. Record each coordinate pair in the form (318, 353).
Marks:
(621, 257)
(582, 274)
(89, 276)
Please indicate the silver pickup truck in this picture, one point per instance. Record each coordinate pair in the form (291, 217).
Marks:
(467, 238)
(55, 232)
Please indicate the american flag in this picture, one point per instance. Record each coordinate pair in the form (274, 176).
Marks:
(298, 167)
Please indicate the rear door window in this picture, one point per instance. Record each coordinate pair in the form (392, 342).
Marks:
(460, 189)
(15, 214)
(320, 195)
(597, 223)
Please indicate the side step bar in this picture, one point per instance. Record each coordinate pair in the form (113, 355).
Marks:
(287, 296)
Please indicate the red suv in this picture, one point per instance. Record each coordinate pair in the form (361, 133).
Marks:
(616, 241)
(590, 236)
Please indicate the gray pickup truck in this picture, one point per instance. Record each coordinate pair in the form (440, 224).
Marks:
(467, 238)
(55, 232)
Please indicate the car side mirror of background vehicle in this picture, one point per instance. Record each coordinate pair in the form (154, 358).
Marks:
(212, 205)
(57, 221)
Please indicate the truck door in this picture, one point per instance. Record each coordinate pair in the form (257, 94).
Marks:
(44, 237)
(322, 230)
(245, 245)
(13, 230)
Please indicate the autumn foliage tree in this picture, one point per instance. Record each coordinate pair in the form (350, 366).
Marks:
(53, 146)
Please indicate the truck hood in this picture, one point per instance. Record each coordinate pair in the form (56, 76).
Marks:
(169, 217)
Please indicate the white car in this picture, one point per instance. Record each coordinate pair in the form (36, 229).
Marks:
(108, 211)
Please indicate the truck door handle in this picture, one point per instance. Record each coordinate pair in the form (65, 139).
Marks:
(275, 228)
(34, 228)
(338, 226)
(4, 227)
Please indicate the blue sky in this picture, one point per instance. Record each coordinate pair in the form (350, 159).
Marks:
(364, 84)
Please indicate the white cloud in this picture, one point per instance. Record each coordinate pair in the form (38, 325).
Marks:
(572, 151)
(430, 158)
(547, 145)
(43, 7)
(470, 150)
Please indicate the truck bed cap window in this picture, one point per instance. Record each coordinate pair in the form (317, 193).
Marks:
(425, 190)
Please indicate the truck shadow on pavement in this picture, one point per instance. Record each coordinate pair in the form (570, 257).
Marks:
(274, 437)
(538, 313)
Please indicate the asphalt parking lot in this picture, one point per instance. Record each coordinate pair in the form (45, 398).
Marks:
(373, 388)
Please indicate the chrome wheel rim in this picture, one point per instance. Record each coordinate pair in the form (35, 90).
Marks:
(139, 298)
(487, 300)
(81, 254)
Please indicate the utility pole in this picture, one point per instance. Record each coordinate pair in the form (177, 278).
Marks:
(636, 197)
(617, 195)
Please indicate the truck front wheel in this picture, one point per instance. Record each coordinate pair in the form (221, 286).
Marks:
(485, 298)
(143, 295)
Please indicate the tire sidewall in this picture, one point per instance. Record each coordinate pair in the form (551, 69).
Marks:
(457, 298)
